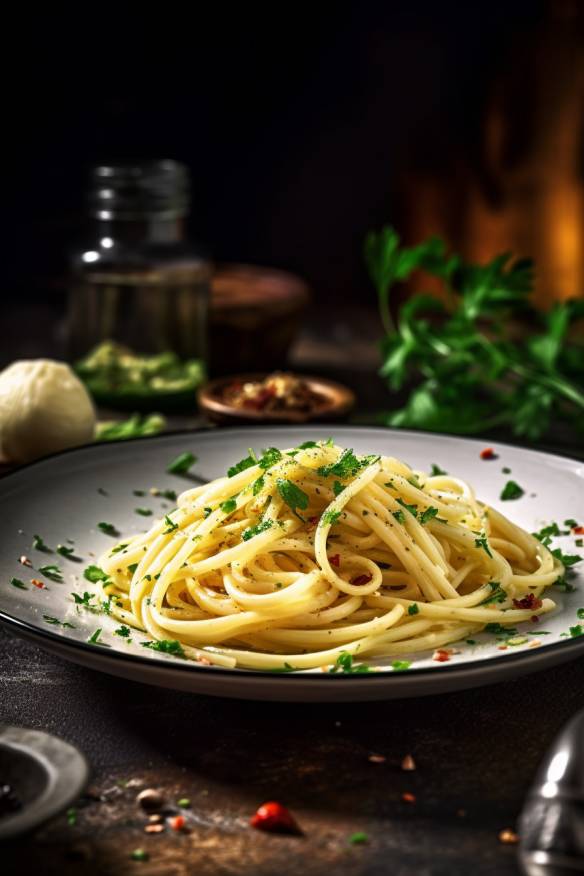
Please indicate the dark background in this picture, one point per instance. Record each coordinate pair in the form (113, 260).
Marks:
(300, 122)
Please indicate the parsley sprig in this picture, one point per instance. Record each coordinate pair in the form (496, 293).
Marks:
(468, 372)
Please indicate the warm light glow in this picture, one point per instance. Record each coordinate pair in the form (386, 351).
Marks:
(106, 242)
(90, 256)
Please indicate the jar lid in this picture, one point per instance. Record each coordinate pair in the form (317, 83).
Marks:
(136, 190)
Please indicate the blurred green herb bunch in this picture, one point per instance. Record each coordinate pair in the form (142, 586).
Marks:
(466, 366)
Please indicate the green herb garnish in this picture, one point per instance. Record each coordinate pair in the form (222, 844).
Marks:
(16, 582)
(182, 463)
(64, 551)
(134, 427)
(248, 462)
(435, 471)
(166, 646)
(344, 663)
(414, 608)
(120, 547)
(170, 524)
(39, 545)
(94, 639)
(359, 838)
(399, 516)
(258, 485)
(293, 496)
(498, 594)
(107, 528)
(56, 622)
(94, 574)
(481, 542)
(306, 445)
(52, 572)
(251, 531)
(144, 512)
(337, 488)
(122, 631)
(330, 517)
(83, 600)
(346, 466)
(413, 509)
(270, 457)
(400, 665)
(428, 514)
(228, 506)
(511, 490)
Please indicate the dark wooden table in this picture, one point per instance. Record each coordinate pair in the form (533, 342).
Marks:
(475, 753)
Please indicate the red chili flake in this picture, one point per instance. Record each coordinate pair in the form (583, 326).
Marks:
(313, 520)
(578, 530)
(502, 647)
(177, 822)
(488, 453)
(274, 818)
(362, 579)
(534, 619)
(335, 561)
(37, 583)
(441, 656)
(530, 601)
(407, 797)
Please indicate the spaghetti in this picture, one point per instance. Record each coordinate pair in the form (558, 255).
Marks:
(301, 556)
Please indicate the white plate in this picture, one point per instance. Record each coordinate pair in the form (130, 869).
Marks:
(59, 498)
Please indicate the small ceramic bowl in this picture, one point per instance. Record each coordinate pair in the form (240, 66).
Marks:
(337, 402)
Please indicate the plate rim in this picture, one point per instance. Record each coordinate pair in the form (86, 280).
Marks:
(399, 677)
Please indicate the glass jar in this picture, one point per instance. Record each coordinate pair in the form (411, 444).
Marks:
(138, 281)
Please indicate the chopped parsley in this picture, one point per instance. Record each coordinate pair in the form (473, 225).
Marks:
(577, 630)
(270, 457)
(258, 485)
(428, 514)
(337, 488)
(413, 509)
(414, 608)
(571, 523)
(139, 492)
(546, 534)
(171, 525)
(181, 463)
(120, 547)
(64, 551)
(207, 512)
(228, 506)
(94, 574)
(56, 622)
(500, 630)
(251, 531)
(566, 559)
(330, 517)
(107, 528)
(401, 665)
(52, 572)
(399, 516)
(168, 494)
(39, 545)
(166, 646)
(511, 490)
(122, 631)
(498, 594)
(346, 466)
(344, 663)
(248, 462)
(132, 568)
(580, 613)
(94, 639)
(306, 445)
(83, 600)
(481, 542)
(435, 471)
(293, 496)
(16, 582)
(144, 512)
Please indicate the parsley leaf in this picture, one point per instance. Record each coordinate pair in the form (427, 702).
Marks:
(83, 600)
(251, 531)
(566, 559)
(122, 631)
(307, 444)
(414, 608)
(56, 622)
(144, 512)
(511, 490)
(330, 517)
(258, 485)
(481, 542)
(52, 572)
(228, 506)
(107, 528)
(337, 488)
(170, 524)
(182, 463)
(498, 594)
(166, 646)
(94, 574)
(428, 514)
(16, 582)
(39, 545)
(435, 471)
(399, 516)
(346, 466)
(344, 663)
(94, 639)
(401, 665)
(67, 552)
(248, 462)
(413, 509)
(270, 457)
(293, 496)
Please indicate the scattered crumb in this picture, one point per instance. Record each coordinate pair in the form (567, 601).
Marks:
(508, 836)
(408, 763)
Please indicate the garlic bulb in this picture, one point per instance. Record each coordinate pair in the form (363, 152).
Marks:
(44, 407)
